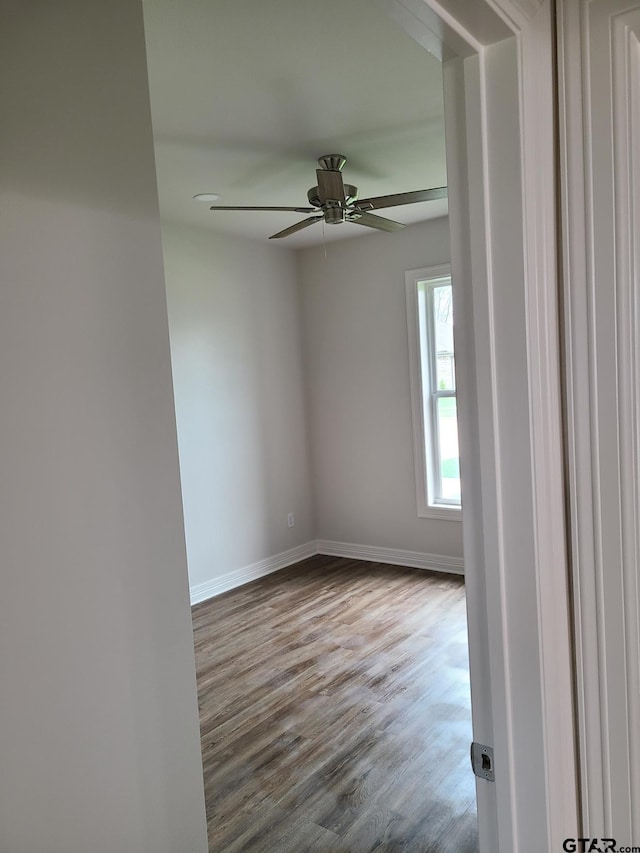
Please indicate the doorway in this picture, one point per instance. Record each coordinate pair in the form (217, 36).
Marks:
(101, 232)
(514, 537)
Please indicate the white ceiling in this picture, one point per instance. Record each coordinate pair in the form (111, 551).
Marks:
(246, 94)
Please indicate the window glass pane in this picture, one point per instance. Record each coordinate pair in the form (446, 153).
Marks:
(449, 454)
(443, 334)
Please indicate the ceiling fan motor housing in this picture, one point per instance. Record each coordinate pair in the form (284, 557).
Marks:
(333, 215)
(334, 210)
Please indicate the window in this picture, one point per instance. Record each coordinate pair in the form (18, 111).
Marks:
(433, 392)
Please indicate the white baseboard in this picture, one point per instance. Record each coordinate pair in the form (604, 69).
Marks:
(230, 580)
(394, 556)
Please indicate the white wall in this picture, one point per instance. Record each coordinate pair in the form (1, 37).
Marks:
(98, 717)
(356, 355)
(237, 363)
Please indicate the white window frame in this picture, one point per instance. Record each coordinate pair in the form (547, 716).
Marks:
(423, 411)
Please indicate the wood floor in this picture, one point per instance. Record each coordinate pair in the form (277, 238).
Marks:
(334, 712)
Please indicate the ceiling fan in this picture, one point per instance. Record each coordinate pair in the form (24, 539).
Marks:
(335, 202)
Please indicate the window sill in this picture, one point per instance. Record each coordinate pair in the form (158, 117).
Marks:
(443, 513)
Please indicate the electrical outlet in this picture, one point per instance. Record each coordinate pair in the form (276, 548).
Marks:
(291, 520)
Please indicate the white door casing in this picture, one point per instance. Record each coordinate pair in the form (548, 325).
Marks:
(499, 96)
(599, 49)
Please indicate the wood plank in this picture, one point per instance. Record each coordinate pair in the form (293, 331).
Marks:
(335, 711)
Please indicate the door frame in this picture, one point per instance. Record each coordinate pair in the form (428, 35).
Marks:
(498, 62)
(599, 129)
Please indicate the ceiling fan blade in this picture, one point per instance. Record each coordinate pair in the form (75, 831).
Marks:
(297, 227)
(289, 209)
(401, 198)
(379, 222)
(330, 186)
